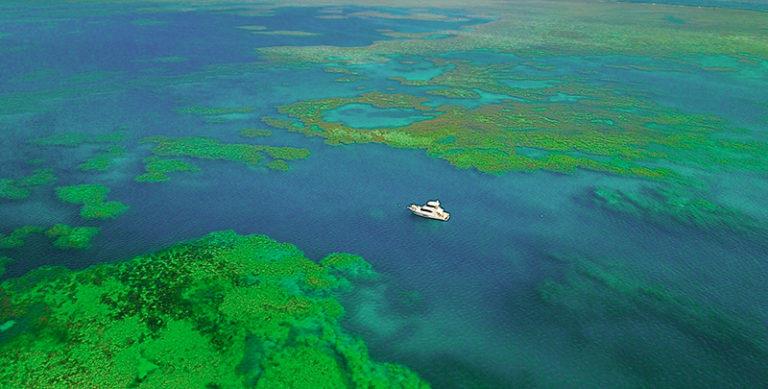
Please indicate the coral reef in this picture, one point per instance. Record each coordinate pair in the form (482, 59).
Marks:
(278, 164)
(67, 237)
(10, 191)
(601, 130)
(525, 105)
(158, 169)
(93, 198)
(351, 266)
(222, 311)
(546, 28)
(501, 103)
(209, 148)
(103, 161)
(18, 236)
(664, 204)
(488, 138)
(19, 189)
(4, 261)
(64, 236)
(590, 292)
(348, 267)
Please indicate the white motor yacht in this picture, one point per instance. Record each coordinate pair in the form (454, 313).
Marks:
(430, 210)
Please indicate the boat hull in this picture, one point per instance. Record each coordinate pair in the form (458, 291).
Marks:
(418, 212)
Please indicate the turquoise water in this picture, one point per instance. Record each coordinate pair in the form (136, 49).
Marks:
(564, 97)
(459, 301)
(529, 84)
(483, 99)
(745, 4)
(368, 116)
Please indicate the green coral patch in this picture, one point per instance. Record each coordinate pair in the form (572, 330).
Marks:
(103, 161)
(19, 189)
(11, 191)
(63, 236)
(486, 138)
(83, 194)
(38, 178)
(93, 198)
(662, 205)
(4, 261)
(18, 236)
(548, 28)
(351, 266)
(209, 148)
(158, 169)
(577, 124)
(103, 210)
(222, 311)
(278, 164)
(67, 237)
(285, 153)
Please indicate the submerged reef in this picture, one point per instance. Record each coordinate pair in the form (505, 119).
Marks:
(64, 237)
(158, 169)
(590, 292)
(487, 138)
(222, 311)
(538, 86)
(11, 191)
(103, 161)
(21, 188)
(664, 204)
(17, 237)
(602, 130)
(75, 139)
(67, 237)
(349, 268)
(278, 164)
(93, 198)
(546, 28)
(209, 148)
(4, 261)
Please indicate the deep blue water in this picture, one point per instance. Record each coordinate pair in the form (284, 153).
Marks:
(73, 43)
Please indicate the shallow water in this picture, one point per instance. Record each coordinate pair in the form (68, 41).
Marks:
(368, 116)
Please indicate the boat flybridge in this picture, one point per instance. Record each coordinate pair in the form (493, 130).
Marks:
(430, 210)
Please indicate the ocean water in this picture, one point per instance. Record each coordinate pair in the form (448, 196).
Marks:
(459, 302)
